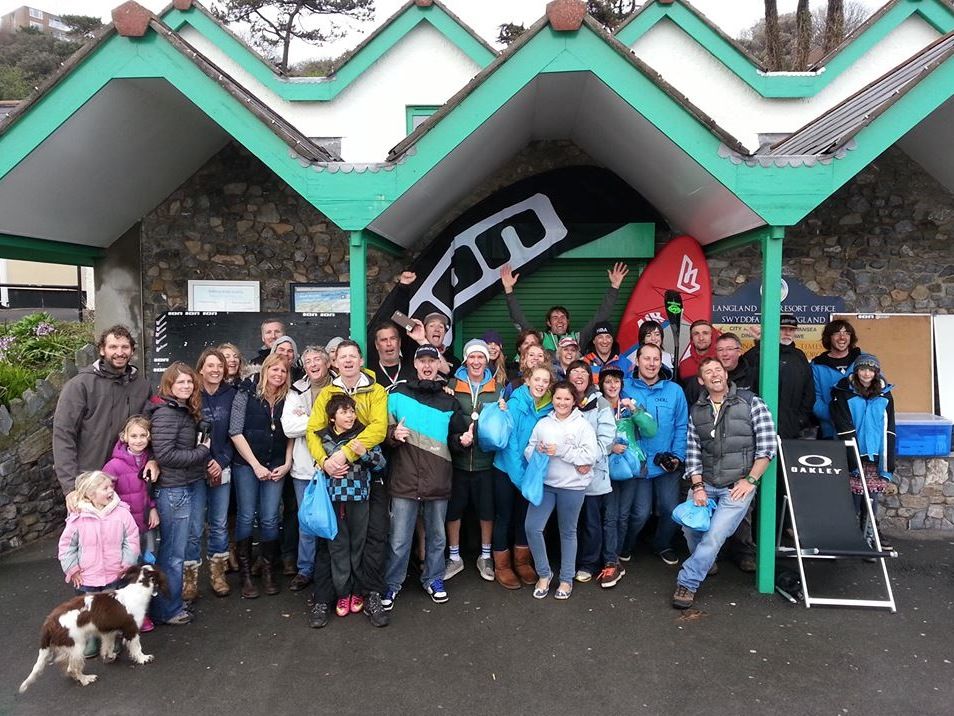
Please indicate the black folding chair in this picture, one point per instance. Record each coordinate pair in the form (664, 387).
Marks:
(820, 510)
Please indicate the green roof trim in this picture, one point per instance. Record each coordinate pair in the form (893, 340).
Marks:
(310, 89)
(631, 241)
(24, 248)
(936, 13)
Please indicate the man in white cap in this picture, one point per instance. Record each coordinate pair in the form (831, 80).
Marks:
(472, 483)
(431, 331)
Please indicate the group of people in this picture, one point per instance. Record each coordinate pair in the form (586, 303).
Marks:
(397, 435)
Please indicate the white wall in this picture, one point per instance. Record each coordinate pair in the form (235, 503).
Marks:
(422, 68)
(742, 111)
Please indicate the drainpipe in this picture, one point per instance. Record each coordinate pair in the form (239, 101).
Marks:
(771, 243)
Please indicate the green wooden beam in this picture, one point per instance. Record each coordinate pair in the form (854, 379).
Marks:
(24, 248)
(358, 278)
(768, 390)
(382, 244)
(738, 241)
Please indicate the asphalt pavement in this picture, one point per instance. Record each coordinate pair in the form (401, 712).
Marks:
(489, 651)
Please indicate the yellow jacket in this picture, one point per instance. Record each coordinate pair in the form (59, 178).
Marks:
(371, 406)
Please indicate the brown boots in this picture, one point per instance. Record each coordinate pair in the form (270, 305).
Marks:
(271, 566)
(190, 581)
(523, 565)
(243, 550)
(503, 572)
(218, 566)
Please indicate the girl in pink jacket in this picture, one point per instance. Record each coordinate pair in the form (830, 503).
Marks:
(101, 539)
(130, 455)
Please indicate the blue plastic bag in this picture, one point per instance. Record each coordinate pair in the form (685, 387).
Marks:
(625, 465)
(695, 517)
(532, 484)
(493, 428)
(316, 516)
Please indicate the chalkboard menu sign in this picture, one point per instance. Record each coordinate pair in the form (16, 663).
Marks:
(183, 335)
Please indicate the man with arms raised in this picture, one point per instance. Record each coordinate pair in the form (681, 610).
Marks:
(731, 441)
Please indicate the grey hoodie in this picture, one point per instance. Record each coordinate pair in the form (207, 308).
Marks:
(576, 446)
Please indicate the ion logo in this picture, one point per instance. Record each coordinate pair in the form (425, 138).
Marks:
(688, 275)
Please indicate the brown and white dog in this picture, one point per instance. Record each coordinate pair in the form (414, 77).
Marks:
(106, 615)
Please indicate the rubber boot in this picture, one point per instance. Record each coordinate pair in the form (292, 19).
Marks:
(523, 565)
(233, 564)
(271, 565)
(243, 550)
(190, 582)
(218, 565)
(503, 571)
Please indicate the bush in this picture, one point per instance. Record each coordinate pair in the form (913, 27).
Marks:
(33, 347)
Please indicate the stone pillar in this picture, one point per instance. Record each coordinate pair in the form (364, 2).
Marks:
(118, 282)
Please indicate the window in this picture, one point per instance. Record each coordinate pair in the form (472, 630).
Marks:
(38, 14)
(37, 25)
(417, 113)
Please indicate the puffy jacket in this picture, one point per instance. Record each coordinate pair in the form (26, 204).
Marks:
(355, 485)
(473, 458)
(666, 404)
(576, 446)
(796, 388)
(826, 372)
(99, 544)
(421, 466)
(371, 407)
(728, 450)
(174, 436)
(525, 413)
(870, 421)
(217, 409)
(92, 410)
(126, 471)
(598, 413)
(261, 426)
(295, 418)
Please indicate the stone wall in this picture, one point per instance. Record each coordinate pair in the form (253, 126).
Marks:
(31, 501)
(236, 220)
(924, 498)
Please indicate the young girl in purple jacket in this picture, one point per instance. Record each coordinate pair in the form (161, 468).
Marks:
(130, 455)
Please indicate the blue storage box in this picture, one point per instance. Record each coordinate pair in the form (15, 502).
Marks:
(923, 435)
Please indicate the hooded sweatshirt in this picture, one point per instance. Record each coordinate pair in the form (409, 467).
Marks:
(91, 411)
(826, 372)
(576, 446)
(598, 413)
(126, 471)
(99, 543)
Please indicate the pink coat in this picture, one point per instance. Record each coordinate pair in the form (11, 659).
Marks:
(99, 544)
(126, 471)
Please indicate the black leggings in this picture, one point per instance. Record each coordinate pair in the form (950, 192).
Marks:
(510, 514)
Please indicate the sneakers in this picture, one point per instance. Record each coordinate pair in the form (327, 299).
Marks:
(357, 603)
(583, 576)
(387, 601)
(183, 617)
(319, 616)
(485, 568)
(669, 557)
(625, 557)
(452, 567)
(437, 591)
(343, 607)
(147, 625)
(683, 597)
(374, 610)
(542, 588)
(610, 575)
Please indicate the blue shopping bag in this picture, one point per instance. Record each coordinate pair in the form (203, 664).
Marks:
(625, 465)
(493, 428)
(695, 517)
(532, 484)
(316, 516)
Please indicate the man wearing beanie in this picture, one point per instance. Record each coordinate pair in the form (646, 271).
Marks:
(474, 387)
(603, 349)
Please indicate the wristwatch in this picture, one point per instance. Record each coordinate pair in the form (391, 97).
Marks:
(752, 480)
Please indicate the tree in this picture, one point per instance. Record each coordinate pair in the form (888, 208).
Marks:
(273, 24)
(773, 37)
(29, 56)
(508, 32)
(81, 27)
(803, 36)
(13, 83)
(610, 12)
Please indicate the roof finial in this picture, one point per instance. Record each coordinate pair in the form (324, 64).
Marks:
(566, 15)
(131, 19)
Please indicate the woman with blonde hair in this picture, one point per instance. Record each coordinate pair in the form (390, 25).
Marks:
(262, 460)
(183, 460)
(234, 363)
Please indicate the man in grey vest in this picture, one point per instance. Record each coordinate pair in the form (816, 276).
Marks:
(730, 443)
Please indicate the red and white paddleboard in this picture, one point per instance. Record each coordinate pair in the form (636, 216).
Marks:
(675, 286)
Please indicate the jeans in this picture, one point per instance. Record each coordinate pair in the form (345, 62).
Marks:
(403, 519)
(256, 496)
(568, 504)
(616, 517)
(510, 510)
(175, 511)
(306, 543)
(704, 546)
(209, 504)
(590, 530)
(663, 493)
(92, 589)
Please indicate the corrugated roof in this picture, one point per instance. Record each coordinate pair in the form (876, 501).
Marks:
(522, 40)
(836, 127)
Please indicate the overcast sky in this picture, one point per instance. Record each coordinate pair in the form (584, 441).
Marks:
(484, 16)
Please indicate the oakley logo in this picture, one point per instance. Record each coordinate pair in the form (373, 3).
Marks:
(814, 461)
(688, 275)
(815, 465)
